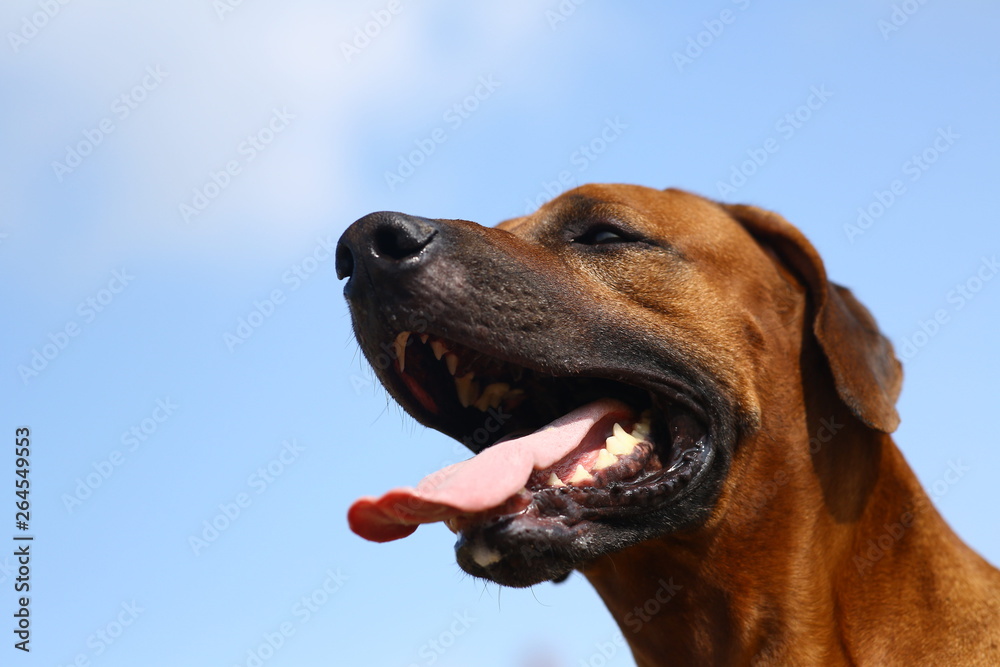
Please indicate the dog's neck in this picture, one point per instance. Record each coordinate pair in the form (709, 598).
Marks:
(772, 581)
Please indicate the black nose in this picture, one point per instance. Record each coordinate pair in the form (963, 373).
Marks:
(387, 239)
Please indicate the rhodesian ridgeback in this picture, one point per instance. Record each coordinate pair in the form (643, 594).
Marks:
(668, 395)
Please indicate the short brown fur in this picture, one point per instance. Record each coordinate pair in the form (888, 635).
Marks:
(782, 572)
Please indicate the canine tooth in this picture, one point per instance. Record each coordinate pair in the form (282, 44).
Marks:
(554, 480)
(439, 348)
(401, 349)
(467, 389)
(604, 460)
(452, 361)
(619, 447)
(492, 395)
(623, 435)
(424, 337)
(580, 475)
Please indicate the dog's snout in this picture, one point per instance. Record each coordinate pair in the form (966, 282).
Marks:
(389, 239)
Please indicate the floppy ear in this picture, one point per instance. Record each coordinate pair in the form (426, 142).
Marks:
(865, 369)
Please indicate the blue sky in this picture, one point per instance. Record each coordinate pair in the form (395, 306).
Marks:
(172, 175)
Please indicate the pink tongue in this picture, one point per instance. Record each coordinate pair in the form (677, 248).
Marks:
(486, 480)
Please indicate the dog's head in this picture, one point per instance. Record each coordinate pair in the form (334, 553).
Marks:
(604, 357)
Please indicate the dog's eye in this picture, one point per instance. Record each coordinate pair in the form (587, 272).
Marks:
(601, 236)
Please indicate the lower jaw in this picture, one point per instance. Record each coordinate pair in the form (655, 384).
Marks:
(515, 553)
(544, 534)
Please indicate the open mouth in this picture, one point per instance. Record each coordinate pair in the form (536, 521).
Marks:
(460, 386)
(591, 432)
(553, 452)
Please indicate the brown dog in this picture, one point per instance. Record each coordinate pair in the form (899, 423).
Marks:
(750, 506)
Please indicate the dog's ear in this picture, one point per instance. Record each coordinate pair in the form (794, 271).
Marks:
(867, 374)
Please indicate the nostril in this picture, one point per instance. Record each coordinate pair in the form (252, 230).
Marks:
(402, 237)
(383, 241)
(344, 261)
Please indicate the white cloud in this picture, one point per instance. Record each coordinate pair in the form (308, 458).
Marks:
(223, 79)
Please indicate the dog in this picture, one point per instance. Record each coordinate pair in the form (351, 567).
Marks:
(665, 391)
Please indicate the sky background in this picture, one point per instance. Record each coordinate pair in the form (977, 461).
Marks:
(170, 170)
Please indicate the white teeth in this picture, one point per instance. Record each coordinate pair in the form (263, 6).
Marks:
(492, 396)
(485, 556)
(452, 524)
(554, 480)
(605, 459)
(580, 475)
(618, 447)
(467, 389)
(622, 434)
(641, 429)
(401, 349)
(451, 361)
(621, 443)
(439, 349)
